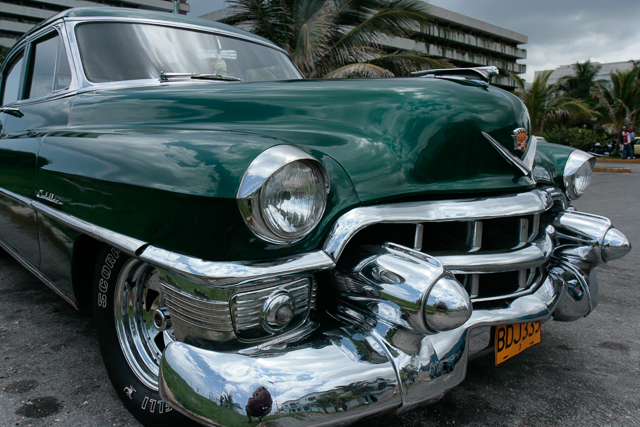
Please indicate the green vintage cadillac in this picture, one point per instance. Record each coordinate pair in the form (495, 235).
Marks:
(256, 246)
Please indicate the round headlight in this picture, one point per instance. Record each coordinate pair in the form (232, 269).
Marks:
(293, 199)
(581, 179)
(577, 173)
(283, 194)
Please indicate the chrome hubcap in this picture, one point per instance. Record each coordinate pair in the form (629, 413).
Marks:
(138, 295)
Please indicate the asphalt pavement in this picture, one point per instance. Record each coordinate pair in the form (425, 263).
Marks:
(582, 373)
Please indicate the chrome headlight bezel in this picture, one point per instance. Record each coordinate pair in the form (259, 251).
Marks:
(260, 171)
(578, 167)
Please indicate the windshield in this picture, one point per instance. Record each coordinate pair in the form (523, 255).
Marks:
(129, 51)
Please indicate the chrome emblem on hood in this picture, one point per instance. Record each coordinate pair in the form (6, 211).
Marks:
(524, 166)
(520, 139)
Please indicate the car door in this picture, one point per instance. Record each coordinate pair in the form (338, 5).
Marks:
(18, 222)
(41, 108)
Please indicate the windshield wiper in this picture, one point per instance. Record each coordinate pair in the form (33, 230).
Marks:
(164, 77)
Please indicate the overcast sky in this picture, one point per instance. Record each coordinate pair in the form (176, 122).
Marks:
(560, 32)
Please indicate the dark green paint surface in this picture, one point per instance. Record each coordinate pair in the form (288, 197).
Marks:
(163, 163)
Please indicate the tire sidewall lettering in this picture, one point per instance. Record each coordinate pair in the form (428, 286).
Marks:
(144, 403)
(155, 406)
(105, 274)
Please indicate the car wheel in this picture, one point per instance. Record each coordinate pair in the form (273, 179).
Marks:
(126, 295)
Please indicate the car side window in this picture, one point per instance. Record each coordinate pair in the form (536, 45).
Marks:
(11, 80)
(50, 69)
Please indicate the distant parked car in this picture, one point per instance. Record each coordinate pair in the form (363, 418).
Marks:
(601, 149)
(256, 246)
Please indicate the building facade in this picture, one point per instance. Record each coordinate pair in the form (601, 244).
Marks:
(464, 41)
(604, 74)
(19, 16)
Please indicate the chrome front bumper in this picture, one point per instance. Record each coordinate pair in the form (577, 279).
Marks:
(339, 376)
(369, 362)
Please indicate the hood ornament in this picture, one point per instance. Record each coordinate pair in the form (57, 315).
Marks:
(525, 165)
(520, 139)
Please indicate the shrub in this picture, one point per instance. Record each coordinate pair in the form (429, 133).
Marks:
(582, 139)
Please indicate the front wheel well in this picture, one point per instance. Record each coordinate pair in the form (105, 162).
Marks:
(85, 256)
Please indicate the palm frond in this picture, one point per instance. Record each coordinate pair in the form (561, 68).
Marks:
(362, 70)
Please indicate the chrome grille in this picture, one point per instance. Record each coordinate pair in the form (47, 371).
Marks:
(494, 258)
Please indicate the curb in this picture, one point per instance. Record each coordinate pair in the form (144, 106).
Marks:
(616, 160)
(611, 169)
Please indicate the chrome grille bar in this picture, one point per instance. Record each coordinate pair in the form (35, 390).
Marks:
(516, 205)
(531, 255)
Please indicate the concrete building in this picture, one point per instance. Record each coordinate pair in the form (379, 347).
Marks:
(464, 41)
(19, 16)
(604, 74)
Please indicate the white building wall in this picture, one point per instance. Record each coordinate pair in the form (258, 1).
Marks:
(604, 74)
(17, 19)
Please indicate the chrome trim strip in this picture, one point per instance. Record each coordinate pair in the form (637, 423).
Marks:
(530, 256)
(530, 155)
(37, 273)
(124, 243)
(513, 160)
(223, 274)
(15, 197)
(349, 224)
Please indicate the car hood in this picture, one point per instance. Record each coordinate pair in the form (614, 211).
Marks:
(393, 137)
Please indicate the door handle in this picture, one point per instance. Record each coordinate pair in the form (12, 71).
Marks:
(12, 111)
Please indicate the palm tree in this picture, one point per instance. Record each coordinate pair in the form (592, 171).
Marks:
(582, 82)
(544, 103)
(3, 52)
(619, 105)
(339, 38)
(226, 400)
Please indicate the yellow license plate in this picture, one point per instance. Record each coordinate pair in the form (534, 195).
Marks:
(513, 339)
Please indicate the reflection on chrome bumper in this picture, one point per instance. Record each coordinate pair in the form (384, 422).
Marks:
(336, 377)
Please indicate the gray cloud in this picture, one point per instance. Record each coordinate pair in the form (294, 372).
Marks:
(560, 32)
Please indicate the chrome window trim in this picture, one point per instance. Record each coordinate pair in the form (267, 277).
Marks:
(532, 202)
(60, 93)
(85, 85)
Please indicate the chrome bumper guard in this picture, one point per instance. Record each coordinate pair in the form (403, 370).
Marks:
(384, 354)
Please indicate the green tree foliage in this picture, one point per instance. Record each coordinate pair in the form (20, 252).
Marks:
(3, 52)
(582, 82)
(339, 38)
(582, 139)
(547, 104)
(619, 105)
